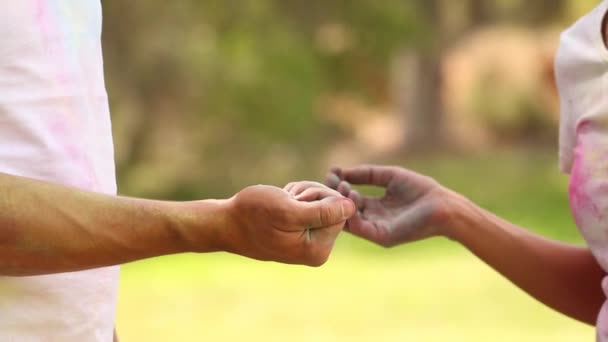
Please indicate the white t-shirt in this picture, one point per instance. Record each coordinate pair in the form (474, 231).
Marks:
(582, 76)
(55, 126)
(581, 68)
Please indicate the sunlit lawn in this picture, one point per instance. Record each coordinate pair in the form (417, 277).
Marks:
(423, 296)
(431, 291)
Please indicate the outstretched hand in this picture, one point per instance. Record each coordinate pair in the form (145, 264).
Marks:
(412, 208)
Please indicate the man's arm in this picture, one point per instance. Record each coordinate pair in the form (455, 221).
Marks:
(563, 277)
(48, 228)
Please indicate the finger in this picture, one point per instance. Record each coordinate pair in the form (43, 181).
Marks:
(337, 171)
(332, 180)
(324, 213)
(361, 227)
(344, 188)
(299, 187)
(346, 229)
(289, 186)
(369, 174)
(309, 195)
(356, 197)
(316, 194)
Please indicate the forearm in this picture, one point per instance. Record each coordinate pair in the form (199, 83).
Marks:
(564, 277)
(47, 228)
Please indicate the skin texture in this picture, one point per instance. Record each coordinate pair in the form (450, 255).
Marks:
(47, 228)
(564, 277)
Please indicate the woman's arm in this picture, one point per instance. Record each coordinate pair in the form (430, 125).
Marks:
(564, 277)
(414, 207)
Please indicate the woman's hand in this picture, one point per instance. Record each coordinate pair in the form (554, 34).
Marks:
(413, 207)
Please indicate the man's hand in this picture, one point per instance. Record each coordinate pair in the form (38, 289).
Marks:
(412, 208)
(268, 223)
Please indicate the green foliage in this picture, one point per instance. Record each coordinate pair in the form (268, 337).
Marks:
(243, 78)
(239, 85)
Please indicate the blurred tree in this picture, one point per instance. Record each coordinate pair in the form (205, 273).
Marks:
(417, 73)
(417, 78)
(418, 81)
(199, 82)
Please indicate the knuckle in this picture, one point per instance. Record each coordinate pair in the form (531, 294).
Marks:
(296, 188)
(245, 195)
(438, 212)
(239, 200)
(299, 188)
(255, 188)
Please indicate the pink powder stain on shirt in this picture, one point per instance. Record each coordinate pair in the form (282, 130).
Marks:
(62, 127)
(75, 154)
(42, 13)
(44, 23)
(586, 177)
(49, 31)
(59, 129)
(581, 203)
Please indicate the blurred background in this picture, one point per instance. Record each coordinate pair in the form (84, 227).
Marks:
(211, 96)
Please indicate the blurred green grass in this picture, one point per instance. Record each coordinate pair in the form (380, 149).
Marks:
(428, 291)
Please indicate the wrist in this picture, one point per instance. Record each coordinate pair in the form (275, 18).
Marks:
(200, 226)
(460, 215)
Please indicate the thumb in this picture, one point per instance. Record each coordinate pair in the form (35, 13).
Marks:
(326, 212)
